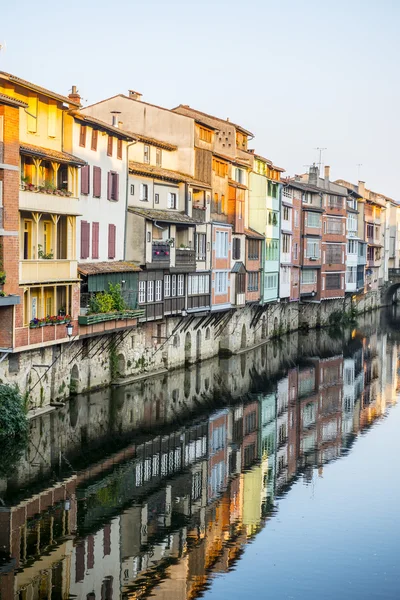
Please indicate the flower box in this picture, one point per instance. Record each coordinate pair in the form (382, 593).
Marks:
(113, 316)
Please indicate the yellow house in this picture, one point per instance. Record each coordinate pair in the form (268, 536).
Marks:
(48, 203)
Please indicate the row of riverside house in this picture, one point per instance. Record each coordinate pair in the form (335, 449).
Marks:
(174, 207)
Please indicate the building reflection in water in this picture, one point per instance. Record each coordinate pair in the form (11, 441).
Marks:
(152, 488)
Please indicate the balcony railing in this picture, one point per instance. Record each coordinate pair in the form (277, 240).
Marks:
(161, 253)
(42, 271)
(48, 202)
(185, 258)
(199, 214)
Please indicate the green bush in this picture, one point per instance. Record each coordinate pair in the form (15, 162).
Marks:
(13, 428)
(106, 302)
(115, 292)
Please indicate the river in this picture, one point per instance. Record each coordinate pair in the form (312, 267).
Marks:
(270, 474)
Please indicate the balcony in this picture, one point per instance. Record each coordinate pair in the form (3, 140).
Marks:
(185, 259)
(199, 214)
(52, 202)
(160, 255)
(44, 271)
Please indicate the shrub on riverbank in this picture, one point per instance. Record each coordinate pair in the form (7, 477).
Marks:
(13, 428)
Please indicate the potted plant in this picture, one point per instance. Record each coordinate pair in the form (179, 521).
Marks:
(24, 182)
(42, 322)
(43, 255)
(34, 323)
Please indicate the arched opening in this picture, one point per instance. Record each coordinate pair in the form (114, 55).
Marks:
(243, 364)
(188, 347)
(187, 383)
(198, 345)
(74, 381)
(276, 324)
(198, 379)
(73, 412)
(121, 365)
(208, 334)
(263, 355)
(264, 329)
(243, 343)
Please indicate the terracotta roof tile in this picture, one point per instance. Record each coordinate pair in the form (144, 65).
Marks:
(163, 216)
(192, 112)
(4, 99)
(62, 157)
(36, 88)
(101, 124)
(118, 266)
(251, 233)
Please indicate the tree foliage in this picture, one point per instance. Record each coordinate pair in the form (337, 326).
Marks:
(13, 428)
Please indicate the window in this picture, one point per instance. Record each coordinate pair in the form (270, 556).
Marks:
(96, 182)
(110, 145)
(144, 192)
(113, 186)
(156, 198)
(239, 175)
(308, 276)
(132, 189)
(312, 249)
(173, 285)
(85, 180)
(236, 249)
(335, 202)
(370, 253)
(146, 154)
(150, 291)
(252, 282)
(221, 244)
(119, 149)
(172, 200)
(272, 250)
(313, 219)
(198, 284)
(85, 239)
(351, 275)
(333, 281)
(95, 136)
(352, 223)
(221, 282)
(28, 239)
(370, 230)
(295, 251)
(95, 240)
(285, 243)
(220, 168)
(296, 218)
(158, 157)
(158, 295)
(167, 286)
(333, 254)
(334, 226)
(271, 281)
(52, 119)
(111, 241)
(272, 217)
(287, 192)
(200, 246)
(286, 213)
(82, 136)
(205, 134)
(253, 249)
(181, 285)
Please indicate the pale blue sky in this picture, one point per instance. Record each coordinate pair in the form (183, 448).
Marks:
(299, 74)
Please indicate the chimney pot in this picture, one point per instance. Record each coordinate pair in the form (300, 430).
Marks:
(74, 96)
(327, 172)
(313, 175)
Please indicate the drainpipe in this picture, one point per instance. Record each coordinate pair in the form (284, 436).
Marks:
(127, 194)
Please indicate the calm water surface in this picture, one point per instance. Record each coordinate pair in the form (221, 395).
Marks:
(272, 474)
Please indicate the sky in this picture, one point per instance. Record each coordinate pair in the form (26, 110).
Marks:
(299, 74)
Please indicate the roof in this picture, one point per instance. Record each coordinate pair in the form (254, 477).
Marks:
(267, 160)
(251, 233)
(307, 187)
(238, 267)
(163, 216)
(96, 123)
(186, 107)
(62, 157)
(236, 184)
(36, 88)
(118, 266)
(4, 99)
(160, 173)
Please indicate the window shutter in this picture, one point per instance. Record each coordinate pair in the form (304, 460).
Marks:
(85, 179)
(111, 241)
(96, 182)
(109, 185)
(95, 240)
(85, 239)
(116, 184)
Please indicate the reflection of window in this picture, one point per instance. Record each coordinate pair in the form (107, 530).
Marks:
(196, 486)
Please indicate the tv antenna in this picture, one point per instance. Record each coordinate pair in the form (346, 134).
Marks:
(319, 163)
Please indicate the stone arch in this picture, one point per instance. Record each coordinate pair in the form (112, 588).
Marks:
(73, 406)
(198, 345)
(264, 328)
(187, 383)
(121, 365)
(176, 341)
(389, 296)
(188, 347)
(74, 380)
(276, 324)
(243, 364)
(263, 355)
(208, 333)
(243, 340)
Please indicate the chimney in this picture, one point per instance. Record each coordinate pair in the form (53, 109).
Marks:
(115, 114)
(74, 95)
(134, 95)
(313, 175)
(361, 188)
(327, 172)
